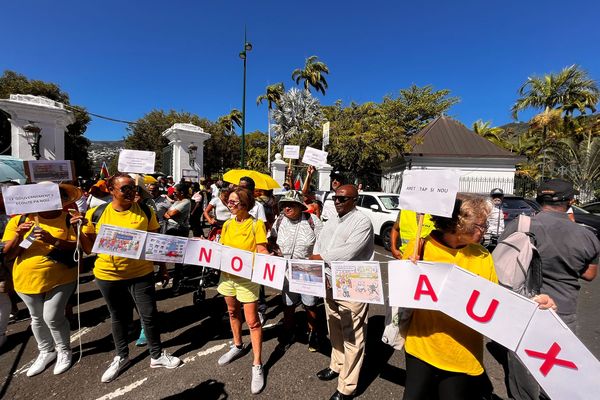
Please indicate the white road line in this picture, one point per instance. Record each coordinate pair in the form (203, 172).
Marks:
(123, 390)
(24, 368)
(80, 333)
(385, 255)
(206, 352)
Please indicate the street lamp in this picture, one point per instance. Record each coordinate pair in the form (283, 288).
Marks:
(32, 135)
(243, 53)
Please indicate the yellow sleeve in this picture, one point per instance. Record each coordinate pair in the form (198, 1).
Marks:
(10, 232)
(153, 224)
(410, 246)
(89, 228)
(260, 236)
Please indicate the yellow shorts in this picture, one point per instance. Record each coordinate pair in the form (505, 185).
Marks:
(244, 290)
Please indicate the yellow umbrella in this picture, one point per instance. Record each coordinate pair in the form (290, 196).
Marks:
(148, 179)
(262, 181)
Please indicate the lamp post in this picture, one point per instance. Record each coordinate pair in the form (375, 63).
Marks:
(33, 135)
(243, 53)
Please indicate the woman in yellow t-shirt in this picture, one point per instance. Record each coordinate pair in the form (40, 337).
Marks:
(245, 233)
(44, 277)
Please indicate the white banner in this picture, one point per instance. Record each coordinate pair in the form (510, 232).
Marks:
(429, 191)
(29, 199)
(138, 161)
(237, 262)
(203, 252)
(291, 152)
(416, 286)
(358, 281)
(269, 270)
(307, 277)
(314, 157)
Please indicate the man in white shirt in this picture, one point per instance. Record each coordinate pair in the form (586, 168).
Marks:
(258, 211)
(345, 237)
(329, 210)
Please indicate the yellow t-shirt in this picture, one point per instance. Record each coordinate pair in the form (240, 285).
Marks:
(244, 235)
(33, 272)
(111, 268)
(438, 339)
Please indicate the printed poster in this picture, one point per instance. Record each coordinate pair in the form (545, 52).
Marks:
(139, 161)
(314, 157)
(307, 277)
(429, 191)
(119, 242)
(358, 281)
(164, 248)
(50, 170)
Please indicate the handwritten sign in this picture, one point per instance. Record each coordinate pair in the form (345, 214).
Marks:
(138, 161)
(291, 152)
(558, 361)
(269, 270)
(429, 191)
(358, 281)
(490, 309)
(28, 199)
(417, 286)
(204, 253)
(314, 157)
(50, 170)
(119, 242)
(307, 277)
(237, 262)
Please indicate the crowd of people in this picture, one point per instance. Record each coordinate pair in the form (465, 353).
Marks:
(444, 358)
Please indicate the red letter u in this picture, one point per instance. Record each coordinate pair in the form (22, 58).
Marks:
(488, 314)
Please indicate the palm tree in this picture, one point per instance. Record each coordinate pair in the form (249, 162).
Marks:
(486, 131)
(273, 97)
(296, 118)
(312, 74)
(233, 118)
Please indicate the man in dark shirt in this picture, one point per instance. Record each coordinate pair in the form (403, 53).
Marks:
(568, 252)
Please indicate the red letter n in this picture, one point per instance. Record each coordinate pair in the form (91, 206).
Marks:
(269, 271)
(424, 281)
(204, 254)
(488, 314)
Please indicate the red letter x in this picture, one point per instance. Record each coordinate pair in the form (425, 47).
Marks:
(550, 359)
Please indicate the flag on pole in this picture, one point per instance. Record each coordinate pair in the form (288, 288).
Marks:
(298, 182)
(104, 171)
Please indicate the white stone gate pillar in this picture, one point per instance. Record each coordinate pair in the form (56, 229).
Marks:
(47, 114)
(180, 136)
(278, 169)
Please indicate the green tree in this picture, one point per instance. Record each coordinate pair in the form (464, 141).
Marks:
(222, 150)
(272, 95)
(256, 149)
(298, 119)
(76, 145)
(313, 74)
(493, 134)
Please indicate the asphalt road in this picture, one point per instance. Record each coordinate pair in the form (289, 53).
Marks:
(199, 335)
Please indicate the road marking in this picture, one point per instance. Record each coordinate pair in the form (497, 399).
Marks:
(123, 390)
(385, 255)
(206, 352)
(24, 368)
(80, 333)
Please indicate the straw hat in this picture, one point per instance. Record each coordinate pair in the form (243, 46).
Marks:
(68, 193)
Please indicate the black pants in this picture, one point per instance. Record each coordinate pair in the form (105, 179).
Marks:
(424, 381)
(181, 232)
(120, 297)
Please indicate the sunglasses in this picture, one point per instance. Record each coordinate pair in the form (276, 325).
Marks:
(128, 188)
(483, 227)
(342, 199)
(233, 203)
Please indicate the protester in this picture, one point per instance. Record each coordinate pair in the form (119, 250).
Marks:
(405, 229)
(266, 199)
(244, 232)
(217, 212)
(6, 282)
(125, 281)
(98, 194)
(293, 236)
(160, 201)
(568, 252)
(329, 209)
(444, 358)
(495, 220)
(347, 237)
(198, 198)
(178, 224)
(44, 276)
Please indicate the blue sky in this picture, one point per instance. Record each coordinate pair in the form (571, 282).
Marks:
(124, 58)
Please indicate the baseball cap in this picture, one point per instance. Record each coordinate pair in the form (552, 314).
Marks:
(496, 192)
(556, 190)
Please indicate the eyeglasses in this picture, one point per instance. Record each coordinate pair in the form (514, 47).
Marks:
(342, 199)
(233, 203)
(128, 188)
(483, 227)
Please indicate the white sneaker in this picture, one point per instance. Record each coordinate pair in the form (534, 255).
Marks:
(258, 379)
(262, 318)
(41, 362)
(165, 361)
(233, 354)
(115, 368)
(63, 362)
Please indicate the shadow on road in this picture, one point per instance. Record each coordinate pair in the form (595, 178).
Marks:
(207, 390)
(22, 337)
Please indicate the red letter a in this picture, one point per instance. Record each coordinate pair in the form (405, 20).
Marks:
(424, 281)
(269, 271)
(488, 314)
(206, 255)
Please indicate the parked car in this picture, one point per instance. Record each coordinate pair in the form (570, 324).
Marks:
(382, 209)
(587, 220)
(593, 208)
(513, 206)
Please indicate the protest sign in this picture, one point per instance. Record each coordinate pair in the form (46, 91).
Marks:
(416, 286)
(119, 242)
(291, 152)
(203, 252)
(307, 277)
(558, 361)
(490, 309)
(429, 191)
(50, 170)
(269, 270)
(237, 262)
(325, 134)
(314, 157)
(358, 281)
(164, 248)
(28, 199)
(138, 161)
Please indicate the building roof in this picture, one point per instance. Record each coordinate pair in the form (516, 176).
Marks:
(445, 137)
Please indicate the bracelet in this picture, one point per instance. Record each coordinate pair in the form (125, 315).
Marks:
(57, 243)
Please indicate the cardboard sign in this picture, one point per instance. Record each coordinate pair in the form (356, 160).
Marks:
(139, 161)
(29, 199)
(237, 262)
(50, 170)
(429, 191)
(165, 248)
(291, 152)
(203, 252)
(416, 286)
(269, 270)
(119, 242)
(490, 309)
(558, 361)
(314, 157)
(307, 277)
(358, 281)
